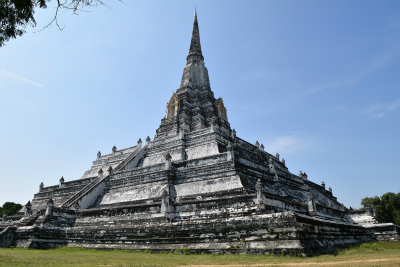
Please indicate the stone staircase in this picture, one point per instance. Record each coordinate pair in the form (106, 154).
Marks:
(98, 180)
(87, 188)
(28, 221)
(129, 158)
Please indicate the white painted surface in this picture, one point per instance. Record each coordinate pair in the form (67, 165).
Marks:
(209, 186)
(202, 151)
(133, 193)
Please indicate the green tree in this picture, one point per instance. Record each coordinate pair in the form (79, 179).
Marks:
(11, 208)
(387, 206)
(16, 15)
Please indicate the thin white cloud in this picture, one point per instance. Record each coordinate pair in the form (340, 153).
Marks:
(288, 145)
(380, 110)
(394, 105)
(393, 23)
(374, 65)
(20, 78)
(330, 85)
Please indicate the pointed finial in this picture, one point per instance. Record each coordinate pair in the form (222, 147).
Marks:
(195, 46)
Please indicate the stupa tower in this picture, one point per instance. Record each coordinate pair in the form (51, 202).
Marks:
(196, 185)
(193, 106)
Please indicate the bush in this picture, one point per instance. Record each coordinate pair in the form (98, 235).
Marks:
(373, 246)
(294, 254)
(387, 206)
(11, 208)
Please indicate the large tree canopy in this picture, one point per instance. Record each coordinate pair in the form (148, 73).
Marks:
(388, 206)
(16, 15)
(11, 208)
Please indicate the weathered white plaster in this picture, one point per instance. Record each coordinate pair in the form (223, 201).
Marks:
(202, 151)
(209, 186)
(133, 193)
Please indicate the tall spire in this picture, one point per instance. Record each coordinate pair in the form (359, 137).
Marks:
(195, 46)
(195, 73)
(193, 106)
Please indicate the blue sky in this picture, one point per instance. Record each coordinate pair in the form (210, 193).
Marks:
(316, 81)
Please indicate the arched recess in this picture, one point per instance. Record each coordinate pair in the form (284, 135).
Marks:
(172, 107)
(221, 110)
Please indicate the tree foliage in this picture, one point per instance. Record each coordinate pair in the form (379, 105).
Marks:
(11, 208)
(388, 206)
(16, 15)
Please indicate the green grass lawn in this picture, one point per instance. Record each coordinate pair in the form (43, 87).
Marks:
(84, 257)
